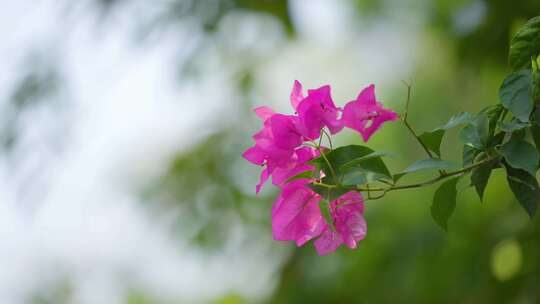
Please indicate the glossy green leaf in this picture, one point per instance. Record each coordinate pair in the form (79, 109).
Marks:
(476, 132)
(525, 44)
(515, 94)
(352, 163)
(521, 155)
(480, 177)
(305, 174)
(367, 170)
(432, 139)
(525, 188)
(328, 193)
(444, 202)
(356, 161)
(338, 157)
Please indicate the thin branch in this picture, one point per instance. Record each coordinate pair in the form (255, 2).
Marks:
(328, 137)
(430, 181)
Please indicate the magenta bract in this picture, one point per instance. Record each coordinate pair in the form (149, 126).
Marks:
(365, 114)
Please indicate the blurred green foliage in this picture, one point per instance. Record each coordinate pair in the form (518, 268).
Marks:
(491, 252)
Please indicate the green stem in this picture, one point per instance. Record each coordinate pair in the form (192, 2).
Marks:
(334, 175)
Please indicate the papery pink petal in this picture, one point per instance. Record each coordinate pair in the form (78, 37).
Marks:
(367, 95)
(264, 177)
(284, 131)
(354, 229)
(383, 116)
(296, 215)
(316, 111)
(296, 94)
(264, 112)
(365, 114)
(280, 176)
(349, 219)
(254, 155)
(328, 242)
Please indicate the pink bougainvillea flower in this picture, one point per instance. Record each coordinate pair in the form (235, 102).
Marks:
(304, 154)
(365, 114)
(316, 111)
(296, 215)
(350, 225)
(275, 144)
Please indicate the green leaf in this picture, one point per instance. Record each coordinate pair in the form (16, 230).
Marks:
(521, 155)
(497, 139)
(425, 164)
(324, 207)
(512, 126)
(469, 153)
(356, 161)
(305, 174)
(328, 193)
(347, 161)
(515, 94)
(480, 177)
(535, 132)
(457, 120)
(432, 139)
(525, 44)
(476, 132)
(369, 170)
(430, 163)
(536, 116)
(525, 188)
(494, 113)
(340, 156)
(444, 202)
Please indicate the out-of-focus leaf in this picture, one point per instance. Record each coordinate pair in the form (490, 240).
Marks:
(521, 155)
(512, 126)
(426, 164)
(525, 189)
(525, 44)
(468, 155)
(515, 94)
(444, 202)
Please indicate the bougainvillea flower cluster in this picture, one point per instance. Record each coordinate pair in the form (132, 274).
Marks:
(279, 148)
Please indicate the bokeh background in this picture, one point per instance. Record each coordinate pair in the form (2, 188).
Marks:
(121, 128)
